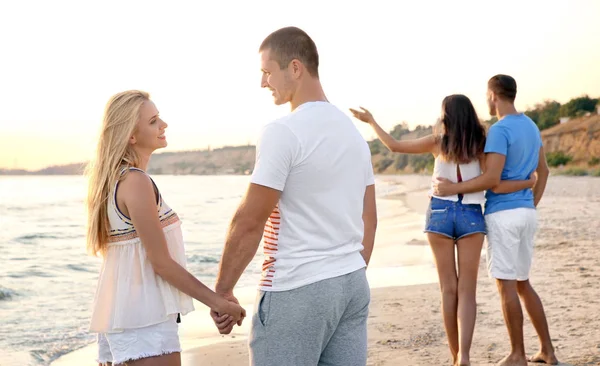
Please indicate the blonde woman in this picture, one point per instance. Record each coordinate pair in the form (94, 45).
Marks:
(143, 285)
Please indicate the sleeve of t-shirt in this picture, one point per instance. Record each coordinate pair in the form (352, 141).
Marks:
(370, 177)
(276, 152)
(496, 141)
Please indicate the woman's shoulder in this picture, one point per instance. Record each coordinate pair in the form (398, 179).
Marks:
(135, 182)
(134, 176)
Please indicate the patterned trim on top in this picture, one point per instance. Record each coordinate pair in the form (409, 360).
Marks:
(129, 234)
(117, 210)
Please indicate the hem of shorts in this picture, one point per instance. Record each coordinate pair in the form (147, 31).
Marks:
(143, 355)
(121, 330)
(503, 277)
(471, 233)
(314, 279)
(440, 233)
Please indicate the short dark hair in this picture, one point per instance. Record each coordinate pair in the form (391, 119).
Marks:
(503, 86)
(289, 43)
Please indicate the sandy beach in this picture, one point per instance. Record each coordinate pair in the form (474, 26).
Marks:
(405, 325)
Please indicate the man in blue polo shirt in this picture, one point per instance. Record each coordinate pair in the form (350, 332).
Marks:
(513, 151)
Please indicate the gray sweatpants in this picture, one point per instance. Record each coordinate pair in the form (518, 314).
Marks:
(324, 324)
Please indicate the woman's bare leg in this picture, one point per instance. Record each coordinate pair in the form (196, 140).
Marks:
(443, 252)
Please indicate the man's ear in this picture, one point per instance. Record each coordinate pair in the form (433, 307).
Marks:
(297, 68)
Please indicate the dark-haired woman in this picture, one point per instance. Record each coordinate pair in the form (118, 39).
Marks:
(458, 151)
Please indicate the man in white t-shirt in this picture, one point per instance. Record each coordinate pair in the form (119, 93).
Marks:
(312, 200)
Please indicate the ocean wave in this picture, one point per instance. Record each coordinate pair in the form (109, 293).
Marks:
(79, 268)
(6, 294)
(202, 259)
(32, 273)
(32, 238)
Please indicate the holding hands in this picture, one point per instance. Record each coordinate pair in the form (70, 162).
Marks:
(228, 313)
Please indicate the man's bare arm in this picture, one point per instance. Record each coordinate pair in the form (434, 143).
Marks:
(370, 222)
(510, 186)
(244, 235)
(494, 164)
(542, 177)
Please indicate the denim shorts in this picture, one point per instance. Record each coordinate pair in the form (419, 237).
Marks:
(454, 220)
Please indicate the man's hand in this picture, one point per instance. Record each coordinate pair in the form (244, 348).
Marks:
(443, 187)
(225, 322)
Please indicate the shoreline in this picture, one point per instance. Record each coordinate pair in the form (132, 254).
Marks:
(405, 323)
(391, 266)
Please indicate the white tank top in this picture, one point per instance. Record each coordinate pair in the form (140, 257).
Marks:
(129, 293)
(445, 169)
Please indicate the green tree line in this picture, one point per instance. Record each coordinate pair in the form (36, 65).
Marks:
(545, 115)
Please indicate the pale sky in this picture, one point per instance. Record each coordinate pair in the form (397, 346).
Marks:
(60, 61)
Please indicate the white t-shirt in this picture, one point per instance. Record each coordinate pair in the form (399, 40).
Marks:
(322, 165)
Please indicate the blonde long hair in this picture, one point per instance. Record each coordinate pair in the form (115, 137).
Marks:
(114, 152)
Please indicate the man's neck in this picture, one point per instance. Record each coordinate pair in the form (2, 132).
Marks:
(503, 110)
(311, 91)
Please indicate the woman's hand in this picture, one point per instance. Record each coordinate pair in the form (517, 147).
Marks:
(227, 313)
(532, 180)
(364, 116)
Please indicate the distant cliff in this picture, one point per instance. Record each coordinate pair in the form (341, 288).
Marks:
(579, 138)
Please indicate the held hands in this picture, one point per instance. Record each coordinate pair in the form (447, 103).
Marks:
(228, 313)
(443, 187)
(364, 116)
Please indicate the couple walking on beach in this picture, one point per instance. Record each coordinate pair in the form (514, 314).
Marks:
(312, 201)
(510, 165)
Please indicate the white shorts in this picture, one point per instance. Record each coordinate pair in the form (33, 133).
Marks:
(134, 344)
(510, 235)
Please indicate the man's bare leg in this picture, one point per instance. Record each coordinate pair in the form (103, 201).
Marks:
(513, 317)
(535, 309)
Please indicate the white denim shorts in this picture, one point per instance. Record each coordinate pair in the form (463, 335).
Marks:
(134, 344)
(510, 237)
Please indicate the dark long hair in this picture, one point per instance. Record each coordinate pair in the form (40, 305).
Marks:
(464, 135)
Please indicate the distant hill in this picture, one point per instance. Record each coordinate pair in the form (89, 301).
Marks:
(387, 162)
(578, 138)
(226, 160)
(69, 169)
